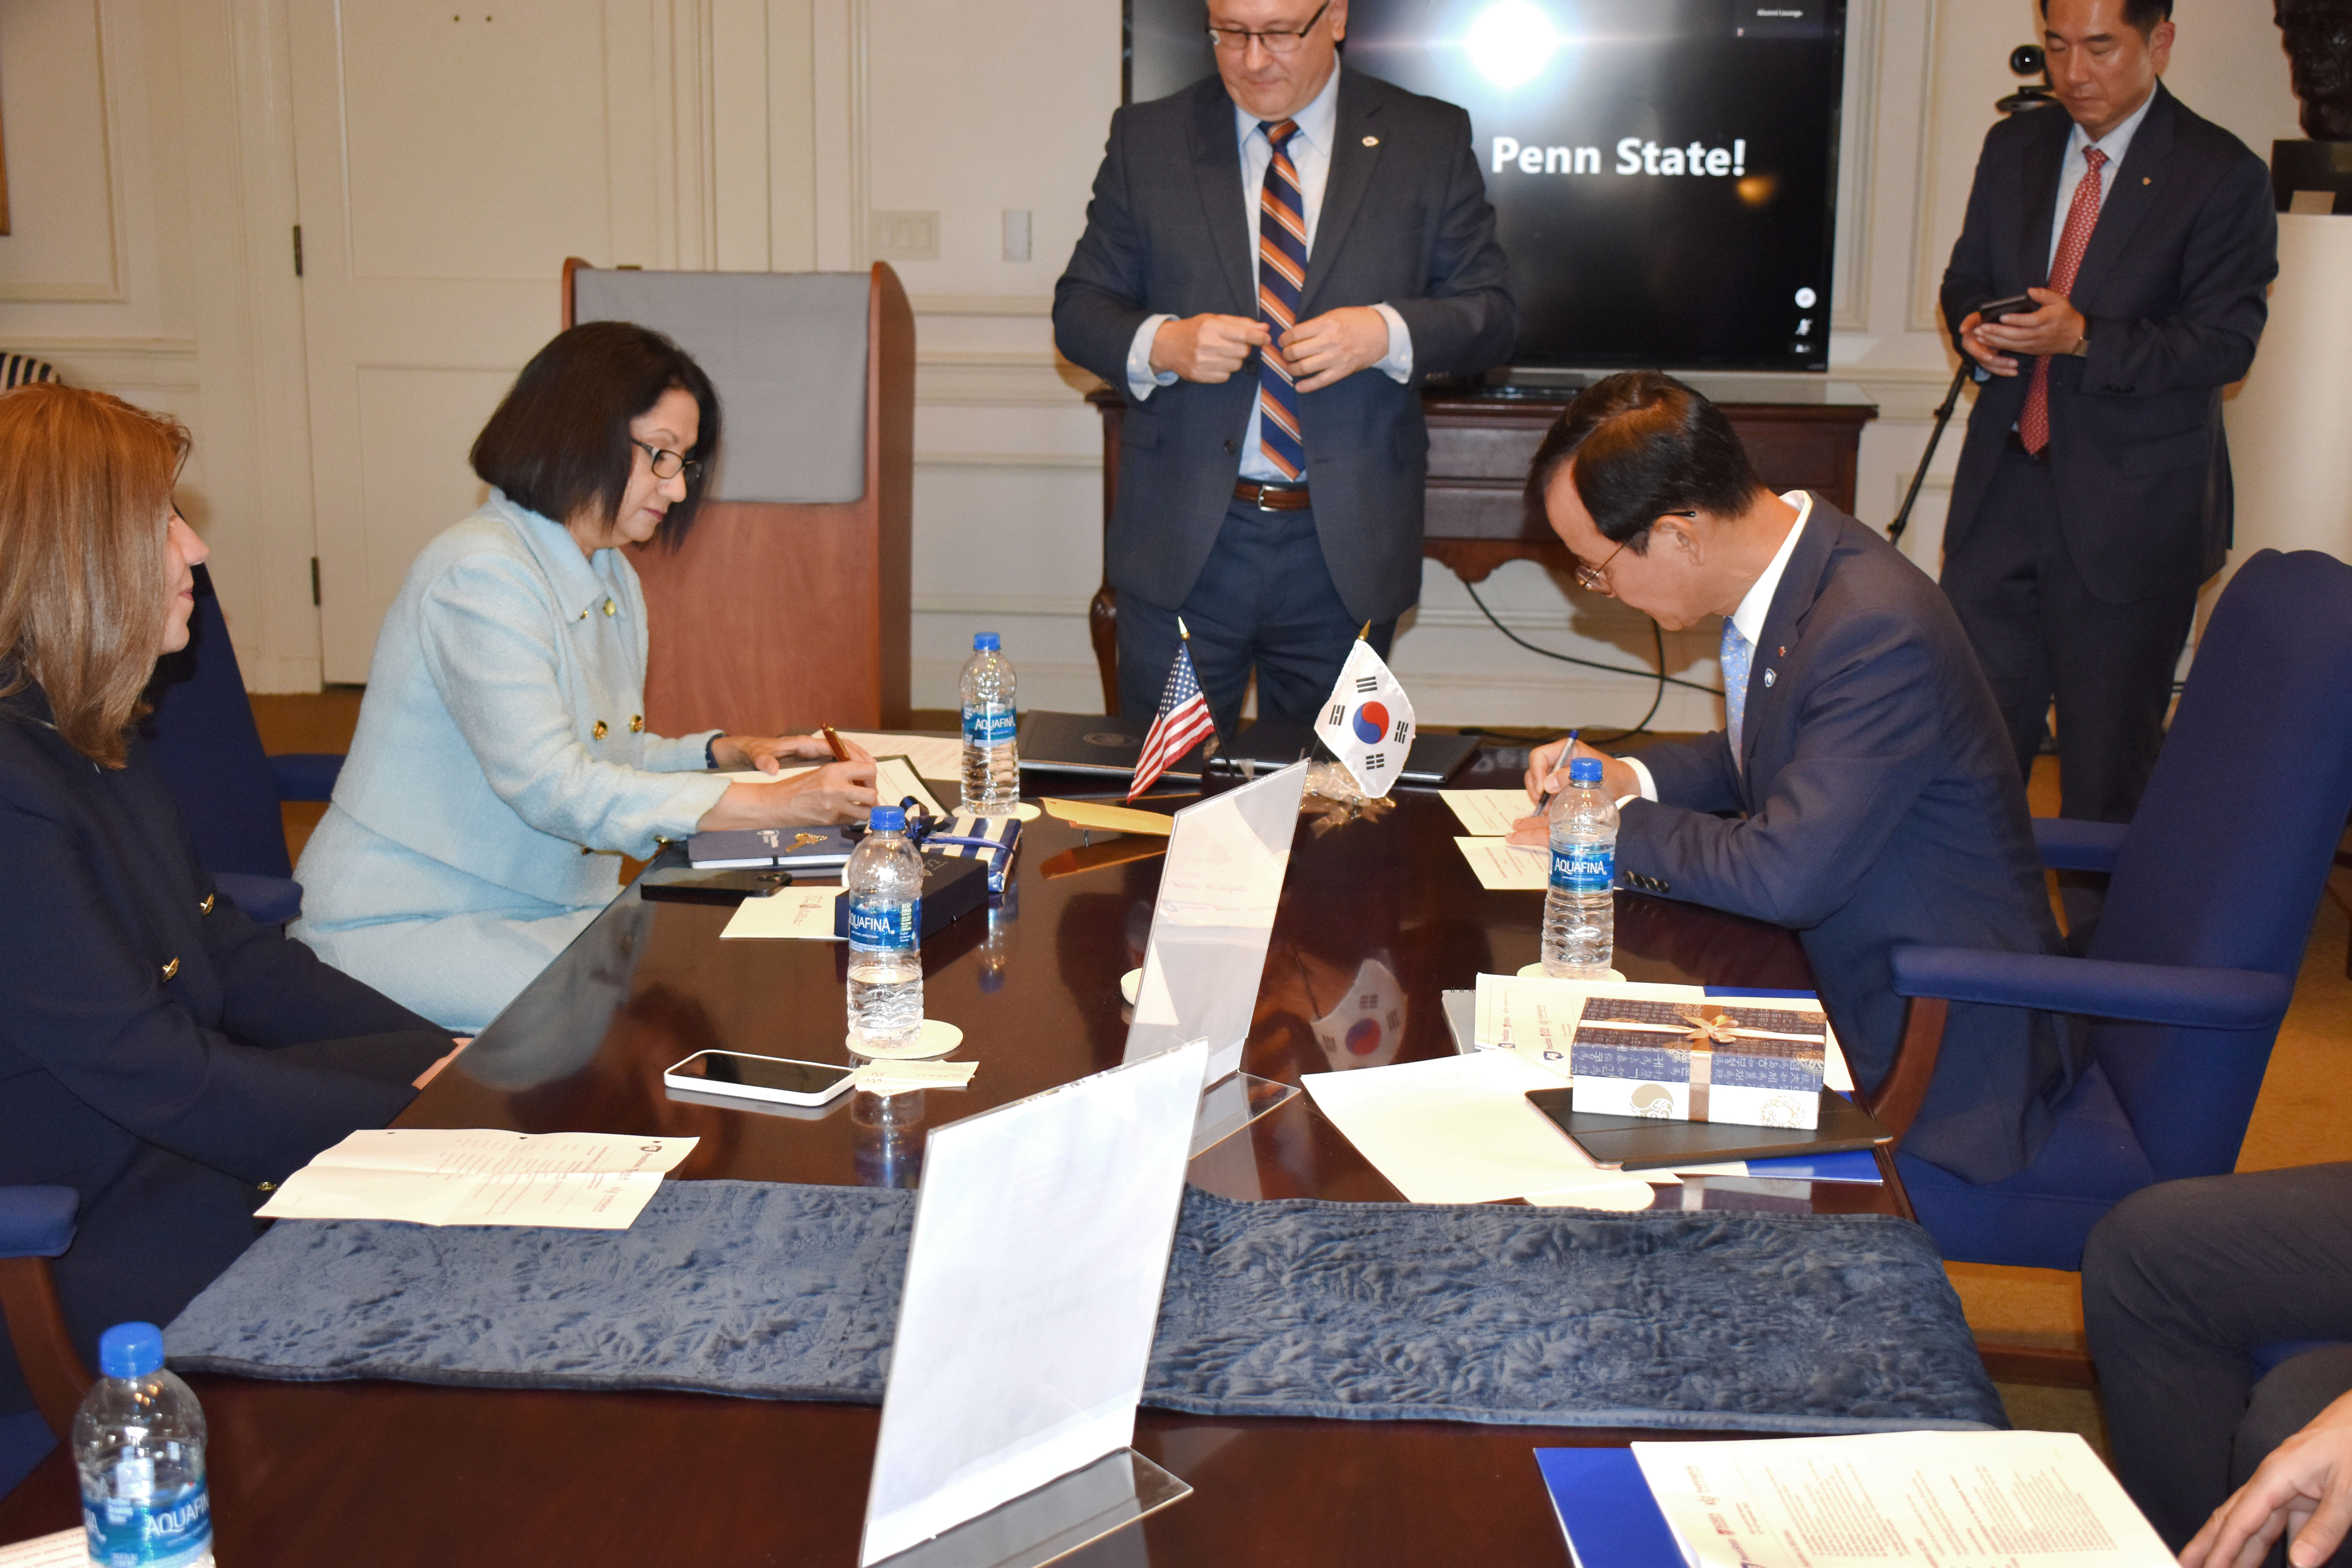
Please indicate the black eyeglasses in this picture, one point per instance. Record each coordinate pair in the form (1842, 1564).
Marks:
(1276, 40)
(666, 464)
(1597, 577)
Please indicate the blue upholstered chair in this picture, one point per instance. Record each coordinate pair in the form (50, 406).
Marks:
(203, 736)
(37, 1224)
(2211, 894)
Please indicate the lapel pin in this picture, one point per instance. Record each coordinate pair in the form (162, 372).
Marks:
(1784, 650)
(1372, 141)
(1767, 678)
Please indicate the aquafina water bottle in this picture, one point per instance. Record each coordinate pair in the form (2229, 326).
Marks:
(992, 756)
(139, 1443)
(884, 885)
(1579, 929)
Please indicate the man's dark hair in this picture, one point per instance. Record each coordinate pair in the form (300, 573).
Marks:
(560, 441)
(1645, 445)
(2140, 16)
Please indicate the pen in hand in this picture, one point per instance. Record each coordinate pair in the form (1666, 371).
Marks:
(832, 738)
(1544, 804)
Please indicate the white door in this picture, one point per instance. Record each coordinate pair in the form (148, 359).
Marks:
(448, 158)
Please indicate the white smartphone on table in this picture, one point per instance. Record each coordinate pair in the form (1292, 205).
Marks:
(779, 1079)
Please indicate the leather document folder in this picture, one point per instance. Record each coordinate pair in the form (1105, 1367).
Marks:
(1644, 1142)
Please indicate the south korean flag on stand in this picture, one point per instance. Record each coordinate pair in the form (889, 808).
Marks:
(1368, 723)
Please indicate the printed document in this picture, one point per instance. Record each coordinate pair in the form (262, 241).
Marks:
(66, 1549)
(795, 912)
(1504, 866)
(1488, 813)
(895, 777)
(1919, 1500)
(427, 1175)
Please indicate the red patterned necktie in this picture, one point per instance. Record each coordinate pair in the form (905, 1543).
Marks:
(1281, 277)
(2082, 217)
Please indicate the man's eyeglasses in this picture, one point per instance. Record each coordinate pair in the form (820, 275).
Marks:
(669, 465)
(1596, 578)
(1275, 40)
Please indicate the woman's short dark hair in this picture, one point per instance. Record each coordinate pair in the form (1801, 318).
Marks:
(1645, 445)
(559, 443)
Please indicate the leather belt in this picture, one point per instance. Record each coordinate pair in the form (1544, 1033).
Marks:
(1272, 497)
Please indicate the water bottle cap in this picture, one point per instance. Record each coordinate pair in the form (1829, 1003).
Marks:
(886, 819)
(981, 640)
(131, 1350)
(1584, 771)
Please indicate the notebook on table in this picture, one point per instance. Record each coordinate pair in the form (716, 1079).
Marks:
(1093, 744)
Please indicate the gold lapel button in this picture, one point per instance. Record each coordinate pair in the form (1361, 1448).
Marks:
(1372, 141)
(599, 730)
(172, 969)
(609, 608)
(636, 723)
(207, 906)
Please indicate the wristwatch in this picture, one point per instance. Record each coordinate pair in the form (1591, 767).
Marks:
(2082, 348)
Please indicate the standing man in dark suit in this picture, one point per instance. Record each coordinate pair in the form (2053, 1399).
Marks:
(1862, 791)
(1275, 257)
(2092, 496)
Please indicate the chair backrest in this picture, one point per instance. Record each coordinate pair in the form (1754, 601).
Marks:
(2229, 850)
(202, 735)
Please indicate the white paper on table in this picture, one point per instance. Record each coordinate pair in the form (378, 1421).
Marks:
(933, 756)
(66, 1549)
(580, 1180)
(1953, 1500)
(795, 912)
(1538, 1016)
(1488, 813)
(1034, 1278)
(1459, 1130)
(894, 779)
(1504, 866)
(887, 1077)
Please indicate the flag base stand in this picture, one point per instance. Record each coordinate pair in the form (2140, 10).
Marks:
(1332, 782)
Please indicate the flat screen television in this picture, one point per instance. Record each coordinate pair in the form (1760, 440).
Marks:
(1664, 172)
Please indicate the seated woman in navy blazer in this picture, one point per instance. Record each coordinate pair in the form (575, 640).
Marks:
(502, 764)
(159, 1053)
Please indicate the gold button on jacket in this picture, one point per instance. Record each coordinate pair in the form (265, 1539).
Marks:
(207, 906)
(599, 729)
(170, 968)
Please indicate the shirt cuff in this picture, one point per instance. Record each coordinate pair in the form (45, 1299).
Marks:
(1398, 365)
(1641, 776)
(1142, 380)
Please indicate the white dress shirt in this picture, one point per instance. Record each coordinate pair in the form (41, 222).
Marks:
(1749, 616)
(1310, 155)
(2071, 172)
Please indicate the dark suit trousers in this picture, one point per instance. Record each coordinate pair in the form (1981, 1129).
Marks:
(2041, 633)
(1264, 602)
(2179, 1280)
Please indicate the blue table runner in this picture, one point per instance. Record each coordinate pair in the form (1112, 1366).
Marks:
(1707, 1320)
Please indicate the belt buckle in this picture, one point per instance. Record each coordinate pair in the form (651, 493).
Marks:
(1266, 493)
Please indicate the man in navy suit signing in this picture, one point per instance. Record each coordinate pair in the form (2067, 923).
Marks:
(1274, 260)
(1862, 793)
(2093, 494)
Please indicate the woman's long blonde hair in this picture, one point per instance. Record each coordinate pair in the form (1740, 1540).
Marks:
(85, 499)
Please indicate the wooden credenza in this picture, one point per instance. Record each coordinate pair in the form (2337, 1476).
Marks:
(1808, 437)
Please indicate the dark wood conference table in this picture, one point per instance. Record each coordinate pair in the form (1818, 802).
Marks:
(378, 1472)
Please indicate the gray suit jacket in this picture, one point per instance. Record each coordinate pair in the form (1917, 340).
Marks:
(1404, 221)
(1878, 804)
(2173, 286)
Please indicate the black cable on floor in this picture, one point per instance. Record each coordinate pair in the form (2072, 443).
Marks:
(1657, 633)
(1657, 674)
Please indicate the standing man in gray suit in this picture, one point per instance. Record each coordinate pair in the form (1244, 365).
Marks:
(1274, 259)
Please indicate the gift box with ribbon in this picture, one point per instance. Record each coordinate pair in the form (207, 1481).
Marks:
(989, 839)
(1736, 1062)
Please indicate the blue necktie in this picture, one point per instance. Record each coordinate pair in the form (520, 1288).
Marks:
(1281, 276)
(1735, 652)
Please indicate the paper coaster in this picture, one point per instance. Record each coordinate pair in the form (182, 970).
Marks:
(1617, 1197)
(1535, 972)
(1023, 811)
(937, 1039)
(1130, 986)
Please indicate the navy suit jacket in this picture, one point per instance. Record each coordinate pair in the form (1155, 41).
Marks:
(2172, 286)
(1404, 222)
(159, 1053)
(1879, 804)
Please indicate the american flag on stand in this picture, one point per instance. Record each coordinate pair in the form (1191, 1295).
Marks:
(1182, 720)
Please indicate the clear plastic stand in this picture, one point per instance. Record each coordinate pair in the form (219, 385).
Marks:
(1057, 1519)
(1232, 1104)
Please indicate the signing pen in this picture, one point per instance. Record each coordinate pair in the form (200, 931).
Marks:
(1544, 804)
(840, 748)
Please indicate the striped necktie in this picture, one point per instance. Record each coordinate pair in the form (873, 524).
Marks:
(1736, 656)
(1281, 276)
(2082, 217)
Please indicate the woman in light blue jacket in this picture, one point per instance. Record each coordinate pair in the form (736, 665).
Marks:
(502, 764)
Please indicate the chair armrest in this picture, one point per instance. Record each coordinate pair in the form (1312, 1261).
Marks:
(36, 1222)
(2103, 988)
(306, 776)
(2068, 845)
